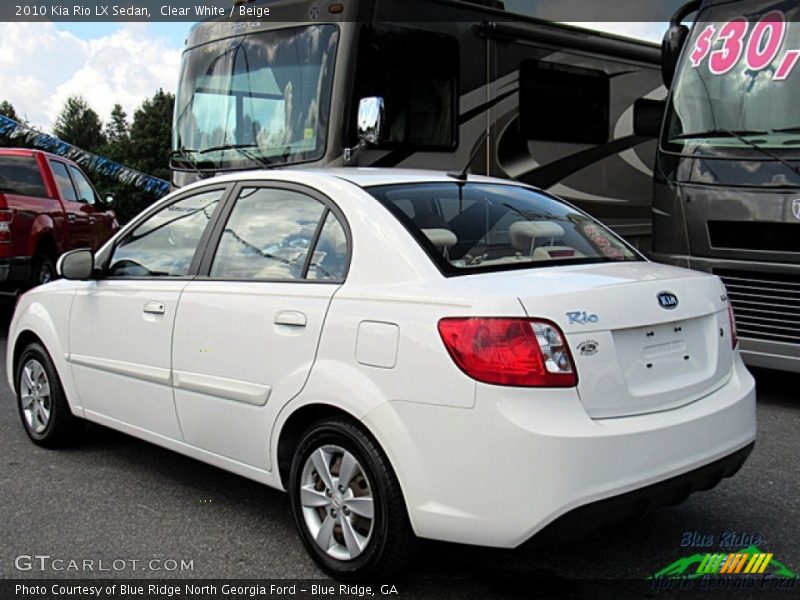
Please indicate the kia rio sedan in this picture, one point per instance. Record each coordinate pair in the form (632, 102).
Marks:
(408, 354)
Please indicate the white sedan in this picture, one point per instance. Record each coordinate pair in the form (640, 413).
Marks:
(408, 353)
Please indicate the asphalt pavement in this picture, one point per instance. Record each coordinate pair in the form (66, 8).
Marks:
(141, 511)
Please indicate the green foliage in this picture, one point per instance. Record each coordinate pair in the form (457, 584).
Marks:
(7, 110)
(146, 149)
(79, 125)
(117, 129)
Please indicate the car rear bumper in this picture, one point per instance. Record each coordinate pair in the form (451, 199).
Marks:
(499, 473)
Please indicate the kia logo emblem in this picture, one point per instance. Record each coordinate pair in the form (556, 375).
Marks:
(667, 300)
(796, 208)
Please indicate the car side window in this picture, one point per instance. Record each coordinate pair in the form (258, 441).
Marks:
(63, 181)
(329, 261)
(85, 189)
(268, 235)
(165, 243)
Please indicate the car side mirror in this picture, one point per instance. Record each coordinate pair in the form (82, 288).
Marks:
(76, 265)
(647, 117)
(370, 121)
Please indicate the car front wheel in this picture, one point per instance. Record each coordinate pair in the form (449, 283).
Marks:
(43, 407)
(347, 503)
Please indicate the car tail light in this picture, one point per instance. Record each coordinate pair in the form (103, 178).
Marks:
(513, 352)
(6, 216)
(734, 336)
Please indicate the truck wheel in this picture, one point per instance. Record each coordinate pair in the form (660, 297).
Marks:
(347, 503)
(43, 407)
(43, 270)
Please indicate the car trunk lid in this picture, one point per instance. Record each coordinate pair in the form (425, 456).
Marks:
(643, 337)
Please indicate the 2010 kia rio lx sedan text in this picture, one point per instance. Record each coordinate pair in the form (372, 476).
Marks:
(407, 353)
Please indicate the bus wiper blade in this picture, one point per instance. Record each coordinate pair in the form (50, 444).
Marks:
(241, 149)
(717, 133)
(740, 135)
(188, 156)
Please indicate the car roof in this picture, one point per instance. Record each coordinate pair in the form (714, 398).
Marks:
(33, 152)
(361, 176)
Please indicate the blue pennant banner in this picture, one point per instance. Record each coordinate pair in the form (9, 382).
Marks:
(90, 162)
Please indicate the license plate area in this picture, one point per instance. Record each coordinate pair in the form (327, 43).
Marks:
(667, 357)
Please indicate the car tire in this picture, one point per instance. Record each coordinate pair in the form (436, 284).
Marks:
(43, 270)
(330, 511)
(42, 404)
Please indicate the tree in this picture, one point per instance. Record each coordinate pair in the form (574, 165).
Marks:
(79, 125)
(117, 128)
(151, 135)
(7, 110)
(146, 149)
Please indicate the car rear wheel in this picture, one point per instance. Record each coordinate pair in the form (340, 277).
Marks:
(43, 407)
(347, 503)
(43, 270)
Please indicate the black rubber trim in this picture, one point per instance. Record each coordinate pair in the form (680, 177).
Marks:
(577, 523)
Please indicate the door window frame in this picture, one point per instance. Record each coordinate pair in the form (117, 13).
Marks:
(103, 258)
(222, 216)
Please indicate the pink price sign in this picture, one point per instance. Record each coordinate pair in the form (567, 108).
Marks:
(759, 49)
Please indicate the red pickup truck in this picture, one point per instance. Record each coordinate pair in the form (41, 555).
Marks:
(47, 206)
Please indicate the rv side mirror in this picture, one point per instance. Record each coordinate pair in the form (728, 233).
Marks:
(675, 39)
(671, 47)
(647, 117)
(371, 119)
(77, 264)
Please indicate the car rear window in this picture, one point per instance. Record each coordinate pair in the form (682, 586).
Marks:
(469, 227)
(20, 175)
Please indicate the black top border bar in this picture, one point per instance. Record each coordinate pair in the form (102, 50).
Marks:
(300, 11)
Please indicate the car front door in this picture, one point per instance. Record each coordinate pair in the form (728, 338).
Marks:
(100, 228)
(247, 328)
(121, 324)
(80, 232)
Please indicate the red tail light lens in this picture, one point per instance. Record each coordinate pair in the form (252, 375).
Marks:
(6, 216)
(734, 336)
(513, 352)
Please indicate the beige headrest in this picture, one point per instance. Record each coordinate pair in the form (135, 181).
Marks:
(525, 233)
(441, 238)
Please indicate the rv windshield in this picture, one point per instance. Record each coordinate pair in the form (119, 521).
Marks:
(258, 98)
(737, 85)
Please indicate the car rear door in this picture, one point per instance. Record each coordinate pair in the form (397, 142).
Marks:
(247, 328)
(80, 232)
(120, 328)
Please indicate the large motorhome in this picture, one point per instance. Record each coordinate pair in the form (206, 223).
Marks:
(550, 105)
(727, 187)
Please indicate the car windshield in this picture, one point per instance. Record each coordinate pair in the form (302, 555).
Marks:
(256, 98)
(468, 227)
(736, 86)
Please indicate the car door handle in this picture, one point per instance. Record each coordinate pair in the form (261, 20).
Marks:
(91, 219)
(71, 218)
(154, 308)
(291, 318)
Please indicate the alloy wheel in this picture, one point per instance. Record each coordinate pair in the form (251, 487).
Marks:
(337, 502)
